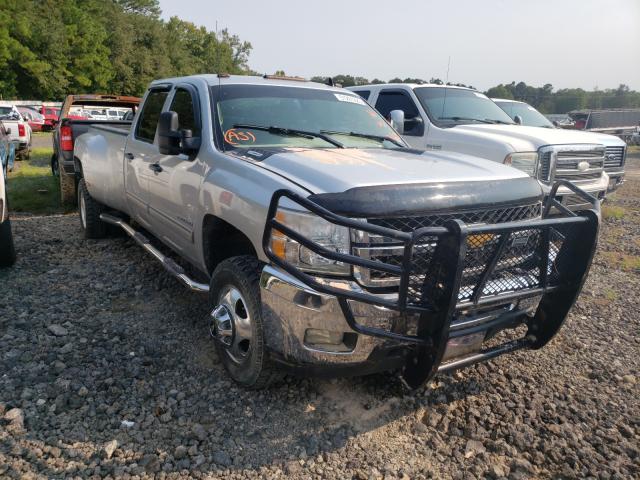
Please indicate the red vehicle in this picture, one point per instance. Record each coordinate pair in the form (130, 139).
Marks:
(51, 115)
(33, 117)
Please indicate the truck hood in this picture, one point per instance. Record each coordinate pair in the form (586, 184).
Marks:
(337, 170)
(528, 139)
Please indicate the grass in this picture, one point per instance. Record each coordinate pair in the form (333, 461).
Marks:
(612, 211)
(32, 188)
(624, 261)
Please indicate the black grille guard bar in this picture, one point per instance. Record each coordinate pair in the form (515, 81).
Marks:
(559, 288)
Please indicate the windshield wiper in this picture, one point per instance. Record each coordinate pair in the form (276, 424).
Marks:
(290, 132)
(486, 120)
(500, 122)
(366, 135)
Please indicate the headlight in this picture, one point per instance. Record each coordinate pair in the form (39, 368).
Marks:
(525, 161)
(316, 229)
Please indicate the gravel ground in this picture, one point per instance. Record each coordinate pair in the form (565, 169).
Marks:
(106, 369)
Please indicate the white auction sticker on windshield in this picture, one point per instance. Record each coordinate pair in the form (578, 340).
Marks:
(479, 95)
(349, 98)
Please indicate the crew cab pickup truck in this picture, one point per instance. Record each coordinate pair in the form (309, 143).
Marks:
(615, 149)
(326, 243)
(70, 125)
(463, 120)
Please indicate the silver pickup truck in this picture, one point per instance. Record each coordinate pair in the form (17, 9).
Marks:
(328, 244)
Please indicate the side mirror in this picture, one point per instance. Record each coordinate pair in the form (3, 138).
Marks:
(8, 130)
(555, 123)
(188, 142)
(168, 135)
(518, 119)
(397, 120)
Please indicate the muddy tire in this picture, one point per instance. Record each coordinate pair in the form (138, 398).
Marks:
(89, 211)
(68, 189)
(234, 289)
(7, 249)
(55, 166)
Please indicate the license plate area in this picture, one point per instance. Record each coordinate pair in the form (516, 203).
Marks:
(463, 345)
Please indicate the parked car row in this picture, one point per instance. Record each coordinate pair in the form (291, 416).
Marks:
(327, 240)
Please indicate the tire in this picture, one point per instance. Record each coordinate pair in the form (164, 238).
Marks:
(248, 363)
(68, 194)
(55, 166)
(89, 211)
(7, 248)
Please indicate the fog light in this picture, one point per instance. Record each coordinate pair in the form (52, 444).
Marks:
(314, 336)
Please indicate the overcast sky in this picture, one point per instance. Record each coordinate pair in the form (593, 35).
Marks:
(568, 43)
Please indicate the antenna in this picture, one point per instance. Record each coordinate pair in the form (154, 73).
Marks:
(446, 83)
(217, 49)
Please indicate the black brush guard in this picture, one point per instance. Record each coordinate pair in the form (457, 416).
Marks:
(458, 267)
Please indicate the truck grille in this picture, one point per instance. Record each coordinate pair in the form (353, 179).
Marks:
(382, 249)
(614, 158)
(570, 164)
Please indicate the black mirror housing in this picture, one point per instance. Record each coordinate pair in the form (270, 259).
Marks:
(168, 135)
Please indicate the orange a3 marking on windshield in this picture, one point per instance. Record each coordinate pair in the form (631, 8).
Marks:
(237, 137)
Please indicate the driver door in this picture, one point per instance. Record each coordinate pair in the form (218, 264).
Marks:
(174, 182)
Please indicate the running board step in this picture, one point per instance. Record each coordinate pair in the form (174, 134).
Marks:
(169, 265)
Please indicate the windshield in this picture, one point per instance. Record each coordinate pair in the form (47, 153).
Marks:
(530, 116)
(299, 117)
(455, 106)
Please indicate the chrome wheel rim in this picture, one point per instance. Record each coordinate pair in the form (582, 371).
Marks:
(83, 210)
(233, 307)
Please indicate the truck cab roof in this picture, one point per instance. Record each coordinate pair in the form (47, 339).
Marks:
(221, 79)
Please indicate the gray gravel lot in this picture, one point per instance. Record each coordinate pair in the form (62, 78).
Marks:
(106, 369)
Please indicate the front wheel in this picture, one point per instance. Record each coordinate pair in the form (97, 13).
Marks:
(236, 322)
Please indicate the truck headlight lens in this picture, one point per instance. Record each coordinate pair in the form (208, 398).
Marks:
(316, 229)
(525, 161)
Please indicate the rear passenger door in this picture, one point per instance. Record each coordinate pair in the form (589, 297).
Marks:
(414, 125)
(141, 152)
(174, 185)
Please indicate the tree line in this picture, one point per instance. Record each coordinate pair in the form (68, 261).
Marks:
(49, 48)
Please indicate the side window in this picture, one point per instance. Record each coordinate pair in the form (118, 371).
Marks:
(388, 101)
(182, 104)
(363, 93)
(148, 123)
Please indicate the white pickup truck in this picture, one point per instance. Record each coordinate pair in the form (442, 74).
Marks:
(7, 250)
(19, 129)
(615, 149)
(458, 119)
(323, 240)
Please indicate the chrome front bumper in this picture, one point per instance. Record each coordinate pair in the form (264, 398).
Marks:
(290, 308)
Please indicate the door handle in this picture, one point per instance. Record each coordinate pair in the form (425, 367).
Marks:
(155, 167)
(129, 156)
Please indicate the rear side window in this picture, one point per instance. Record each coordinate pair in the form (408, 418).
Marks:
(182, 104)
(363, 93)
(148, 123)
(388, 101)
